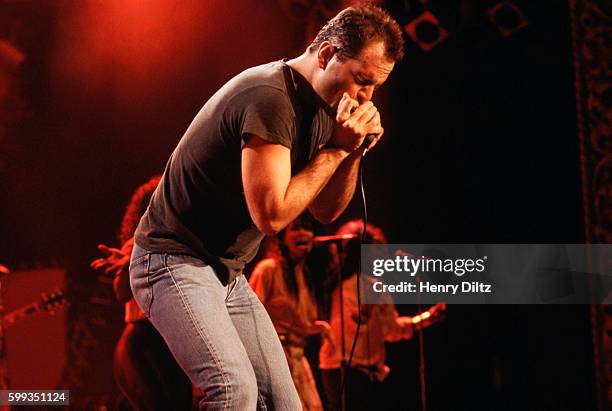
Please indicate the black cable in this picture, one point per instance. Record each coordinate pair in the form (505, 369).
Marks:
(361, 241)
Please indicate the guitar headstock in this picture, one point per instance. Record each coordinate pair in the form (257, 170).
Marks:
(432, 315)
(50, 301)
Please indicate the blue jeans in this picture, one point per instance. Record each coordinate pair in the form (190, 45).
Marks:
(221, 336)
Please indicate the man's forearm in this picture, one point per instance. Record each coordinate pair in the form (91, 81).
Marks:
(273, 210)
(338, 192)
(308, 184)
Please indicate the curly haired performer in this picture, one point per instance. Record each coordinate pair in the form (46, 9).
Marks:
(144, 368)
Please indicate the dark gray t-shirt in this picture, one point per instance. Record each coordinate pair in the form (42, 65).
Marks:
(199, 208)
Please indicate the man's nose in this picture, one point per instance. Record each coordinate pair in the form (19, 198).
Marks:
(365, 94)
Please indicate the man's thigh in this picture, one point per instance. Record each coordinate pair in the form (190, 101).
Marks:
(185, 301)
(263, 347)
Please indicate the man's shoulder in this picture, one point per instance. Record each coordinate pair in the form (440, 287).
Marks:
(270, 75)
(263, 86)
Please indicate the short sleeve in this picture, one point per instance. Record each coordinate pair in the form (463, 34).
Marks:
(261, 279)
(267, 113)
(391, 329)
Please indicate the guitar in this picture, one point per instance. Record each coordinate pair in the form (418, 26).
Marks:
(420, 321)
(49, 302)
(429, 317)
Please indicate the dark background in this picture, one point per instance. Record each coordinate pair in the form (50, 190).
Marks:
(480, 146)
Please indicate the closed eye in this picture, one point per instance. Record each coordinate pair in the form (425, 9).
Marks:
(363, 81)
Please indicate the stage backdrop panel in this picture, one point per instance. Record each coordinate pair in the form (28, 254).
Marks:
(36, 344)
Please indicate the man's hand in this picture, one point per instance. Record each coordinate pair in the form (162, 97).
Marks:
(406, 326)
(324, 329)
(320, 327)
(114, 262)
(117, 263)
(354, 122)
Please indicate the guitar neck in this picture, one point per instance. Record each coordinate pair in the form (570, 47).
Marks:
(429, 317)
(14, 316)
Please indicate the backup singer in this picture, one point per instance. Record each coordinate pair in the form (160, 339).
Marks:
(144, 368)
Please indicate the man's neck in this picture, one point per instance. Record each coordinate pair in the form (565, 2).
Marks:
(303, 65)
(304, 68)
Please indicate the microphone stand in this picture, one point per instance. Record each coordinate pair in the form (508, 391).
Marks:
(341, 396)
(421, 354)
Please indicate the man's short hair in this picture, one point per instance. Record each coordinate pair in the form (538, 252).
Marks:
(356, 26)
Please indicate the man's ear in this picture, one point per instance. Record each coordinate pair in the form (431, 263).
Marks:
(325, 53)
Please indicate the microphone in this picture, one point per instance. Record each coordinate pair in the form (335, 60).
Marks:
(367, 142)
(326, 239)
